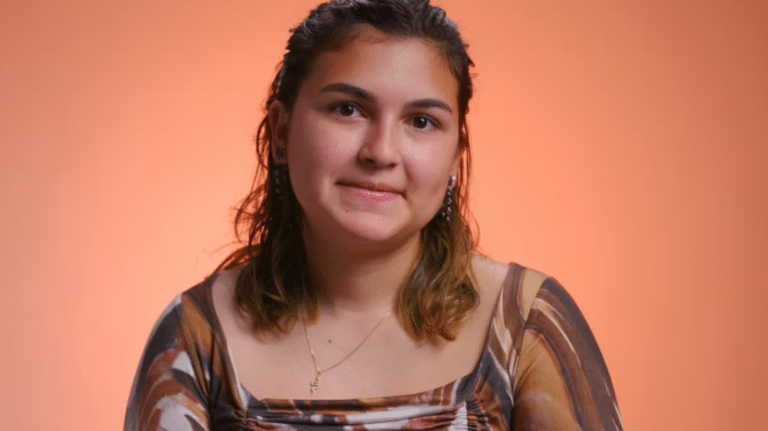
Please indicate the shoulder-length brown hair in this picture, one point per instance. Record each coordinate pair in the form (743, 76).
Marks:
(439, 293)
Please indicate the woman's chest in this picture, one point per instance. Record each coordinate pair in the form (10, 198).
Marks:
(295, 369)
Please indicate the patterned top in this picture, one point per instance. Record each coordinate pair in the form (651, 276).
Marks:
(541, 370)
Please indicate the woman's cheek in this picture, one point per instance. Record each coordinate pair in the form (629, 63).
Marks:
(426, 163)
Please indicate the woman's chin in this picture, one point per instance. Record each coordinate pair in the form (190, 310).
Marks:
(370, 232)
(373, 234)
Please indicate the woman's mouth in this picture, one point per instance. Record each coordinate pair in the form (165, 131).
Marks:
(371, 192)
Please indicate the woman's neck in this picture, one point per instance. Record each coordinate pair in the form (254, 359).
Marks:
(348, 280)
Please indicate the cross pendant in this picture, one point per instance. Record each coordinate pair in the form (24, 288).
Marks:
(314, 387)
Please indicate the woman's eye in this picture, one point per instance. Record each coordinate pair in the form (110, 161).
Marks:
(422, 122)
(346, 110)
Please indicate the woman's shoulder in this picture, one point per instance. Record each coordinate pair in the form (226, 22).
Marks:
(511, 283)
(194, 313)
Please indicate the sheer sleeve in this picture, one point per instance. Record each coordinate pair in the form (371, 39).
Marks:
(169, 390)
(561, 381)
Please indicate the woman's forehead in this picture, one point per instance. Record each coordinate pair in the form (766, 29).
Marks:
(383, 63)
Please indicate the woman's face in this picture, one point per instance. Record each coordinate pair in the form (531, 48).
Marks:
(372, 139)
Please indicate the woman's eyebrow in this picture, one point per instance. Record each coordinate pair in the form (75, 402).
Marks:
(430, 103)
(349, 89)
(359, 93)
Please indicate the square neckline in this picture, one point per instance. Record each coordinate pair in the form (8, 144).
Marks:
(371, 403)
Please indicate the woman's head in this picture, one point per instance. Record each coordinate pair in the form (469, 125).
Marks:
(370, 142)
(333, 26)
(439, 291)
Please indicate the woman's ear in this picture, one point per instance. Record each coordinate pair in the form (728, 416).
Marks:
(457, 163)
(278, 117)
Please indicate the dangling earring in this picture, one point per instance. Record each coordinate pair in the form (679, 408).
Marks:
(447, 209)
(281, 171)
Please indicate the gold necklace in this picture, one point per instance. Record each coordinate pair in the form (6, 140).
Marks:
(314, 387)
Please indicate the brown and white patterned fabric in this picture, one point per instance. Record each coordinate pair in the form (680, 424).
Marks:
(541, 370)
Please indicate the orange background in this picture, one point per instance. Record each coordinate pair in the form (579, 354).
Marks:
(620, 146)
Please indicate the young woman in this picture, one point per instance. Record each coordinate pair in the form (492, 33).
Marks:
(358, 301)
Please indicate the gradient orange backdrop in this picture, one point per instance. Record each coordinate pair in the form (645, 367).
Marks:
(619, 146)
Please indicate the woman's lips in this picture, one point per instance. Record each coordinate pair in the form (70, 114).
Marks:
(369, 191)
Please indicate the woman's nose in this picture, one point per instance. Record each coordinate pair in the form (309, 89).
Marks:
(381, 145)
